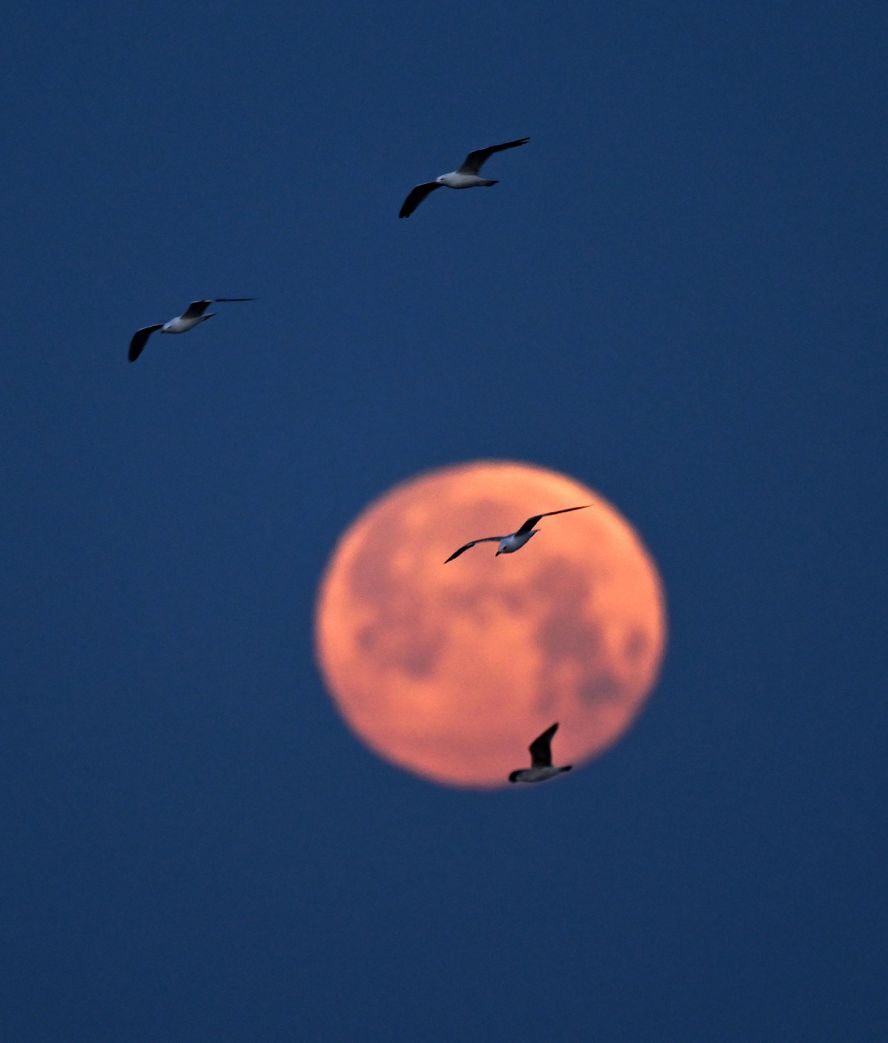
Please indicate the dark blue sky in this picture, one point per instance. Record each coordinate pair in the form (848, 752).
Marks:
(675, 294)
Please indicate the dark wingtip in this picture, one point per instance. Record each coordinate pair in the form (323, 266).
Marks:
(135, 349)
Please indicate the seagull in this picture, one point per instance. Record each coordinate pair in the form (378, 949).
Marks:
(189, 318)
(540, 760)
(515, 540)
(465, 176)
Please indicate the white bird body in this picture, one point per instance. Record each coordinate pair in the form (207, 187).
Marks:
(181, 324)
(537, 774)
(457, 180)
(514, 541)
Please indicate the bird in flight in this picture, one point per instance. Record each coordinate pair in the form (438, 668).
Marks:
(189, 318)
(466, 176)
(515, 540)
(540, 760)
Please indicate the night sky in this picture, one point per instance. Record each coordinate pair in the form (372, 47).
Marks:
(675, 294)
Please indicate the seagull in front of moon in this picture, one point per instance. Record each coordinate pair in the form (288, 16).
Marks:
(189, 318)
(466, 176)
(541, 767)
(515, 540)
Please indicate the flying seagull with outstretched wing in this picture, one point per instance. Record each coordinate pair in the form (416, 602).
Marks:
(195, 313)
(465, 176)
(515, 540)
(541, 767)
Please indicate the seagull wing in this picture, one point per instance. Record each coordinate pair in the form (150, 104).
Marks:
(541, 749)
(474, 161)
(194, 309)
(140, 338)
(416, 196)
(529, 524)
(463, 549)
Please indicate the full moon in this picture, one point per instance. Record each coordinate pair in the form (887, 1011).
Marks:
(451, 670)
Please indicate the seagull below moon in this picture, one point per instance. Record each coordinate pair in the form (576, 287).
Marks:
(466, 176)
(194, 314)
(541, 767)
(515, 540)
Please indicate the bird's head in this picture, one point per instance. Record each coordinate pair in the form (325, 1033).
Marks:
(513, 776)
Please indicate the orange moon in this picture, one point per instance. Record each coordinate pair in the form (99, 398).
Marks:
(451, 670)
